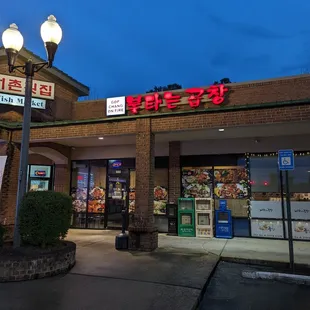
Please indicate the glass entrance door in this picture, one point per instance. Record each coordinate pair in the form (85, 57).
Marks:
(117, 200)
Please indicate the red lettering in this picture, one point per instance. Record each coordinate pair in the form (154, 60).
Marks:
(15, 85)
(45, 90)
(152, 102)
(171, 99)
(34, 88)
(195, 96)
(134, 103)
(2, 84)
(216, 93)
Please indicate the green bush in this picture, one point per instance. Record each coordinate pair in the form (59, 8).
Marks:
(2, 232)
(44, 217)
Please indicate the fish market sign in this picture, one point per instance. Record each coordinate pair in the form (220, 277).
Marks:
(20, 101)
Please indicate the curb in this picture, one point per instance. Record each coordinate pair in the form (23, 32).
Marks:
(283, 277)
(203, 290)
(283, 266)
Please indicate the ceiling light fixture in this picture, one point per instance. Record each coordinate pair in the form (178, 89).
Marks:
(100, 138)
(221, 129)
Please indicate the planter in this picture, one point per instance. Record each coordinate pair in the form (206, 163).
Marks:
(28, 263)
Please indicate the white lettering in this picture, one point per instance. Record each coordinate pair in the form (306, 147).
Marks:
(20, 101)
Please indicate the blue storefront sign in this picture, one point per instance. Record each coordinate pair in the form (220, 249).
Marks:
(223, 221)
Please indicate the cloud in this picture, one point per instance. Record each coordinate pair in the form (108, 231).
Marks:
(244, 29)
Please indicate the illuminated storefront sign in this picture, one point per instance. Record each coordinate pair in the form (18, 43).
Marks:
(16, 85)
(116, 106)
(20, 101)
(152, 102)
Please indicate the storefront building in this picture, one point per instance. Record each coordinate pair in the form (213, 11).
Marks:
(144, 151)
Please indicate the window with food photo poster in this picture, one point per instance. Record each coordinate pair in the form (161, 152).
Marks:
(230, 182)
(160, 191)
(96, 202)
(160, 200)
(197, 182)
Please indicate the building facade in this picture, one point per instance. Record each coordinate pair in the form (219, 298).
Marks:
(147, 150)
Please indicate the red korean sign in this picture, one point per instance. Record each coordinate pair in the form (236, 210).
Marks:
(16, 85)
(153, 102)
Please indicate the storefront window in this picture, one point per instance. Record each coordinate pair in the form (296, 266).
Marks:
(79, 185)
(299, 178)
(264, 174)
(160, 191)
(197, 182)
(97, 194)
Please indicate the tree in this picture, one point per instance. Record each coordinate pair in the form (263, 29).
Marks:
(165, 88)
(223, 81)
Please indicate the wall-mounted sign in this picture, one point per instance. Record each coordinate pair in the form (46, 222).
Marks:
(20, 101)
(116, 106)
(152, 102)
(267, 229)
(40, 173)
(266, 209)
(116, 164)
(16, 85)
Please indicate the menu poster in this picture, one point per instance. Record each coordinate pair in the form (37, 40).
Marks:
(230, 182)
(266, 209)
(267, 229)
(160, 200)
(300, 210)
(197, 182)
(2, 167)
(96, 202)
(300, 230)
(79, 198)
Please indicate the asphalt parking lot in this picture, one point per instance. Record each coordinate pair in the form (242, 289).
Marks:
(228, 290)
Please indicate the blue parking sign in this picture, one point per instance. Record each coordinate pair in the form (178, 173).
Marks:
(286, 160)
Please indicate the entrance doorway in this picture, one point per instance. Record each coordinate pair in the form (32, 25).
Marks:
(117, 200)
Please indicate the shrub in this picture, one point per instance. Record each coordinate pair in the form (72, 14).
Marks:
(44, 217)
(2, 232)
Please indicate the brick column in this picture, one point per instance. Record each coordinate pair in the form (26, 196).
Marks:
(9, 186)
(62, 178)
(143, 234)
(174, 171)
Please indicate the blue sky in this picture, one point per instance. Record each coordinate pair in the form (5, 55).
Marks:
(126, 47)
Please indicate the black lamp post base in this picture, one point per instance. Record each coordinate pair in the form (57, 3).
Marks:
(121, 241)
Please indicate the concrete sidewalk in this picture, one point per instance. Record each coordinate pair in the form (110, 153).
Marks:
(168, 278)
(242, 248)
(171, 277)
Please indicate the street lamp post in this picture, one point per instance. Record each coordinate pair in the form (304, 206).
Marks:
(12, 40)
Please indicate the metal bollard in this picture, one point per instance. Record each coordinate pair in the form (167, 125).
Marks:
(121, 240)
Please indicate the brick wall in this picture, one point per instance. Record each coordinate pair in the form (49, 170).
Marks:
(62, 179)
(89, 109)
(269, 91)
(37, 159)
(142, 233)
(174, 171)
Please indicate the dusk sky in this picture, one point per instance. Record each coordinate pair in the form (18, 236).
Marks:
(126, 47)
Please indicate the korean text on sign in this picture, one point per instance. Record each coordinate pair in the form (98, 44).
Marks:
(153, 102)
(16, 85)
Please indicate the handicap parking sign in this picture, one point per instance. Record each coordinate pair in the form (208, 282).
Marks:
(286, 159)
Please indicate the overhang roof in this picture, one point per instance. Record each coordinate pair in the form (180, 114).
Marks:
(81, 89)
